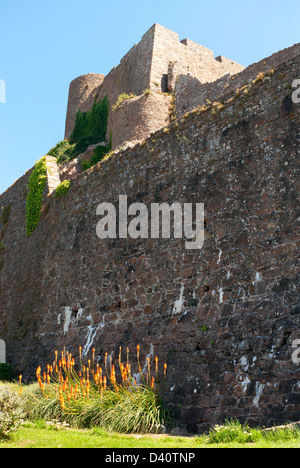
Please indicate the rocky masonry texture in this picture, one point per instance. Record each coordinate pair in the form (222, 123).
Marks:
(153, 64)
(223, 318)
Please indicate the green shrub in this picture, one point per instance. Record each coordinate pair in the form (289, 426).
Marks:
(233, 431)
(11, 413)
(90, 127)
(36, 187)
(99, 153)
(62, 151)
(62, 189)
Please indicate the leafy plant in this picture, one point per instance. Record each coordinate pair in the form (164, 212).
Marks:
(62, 189)
(90, 127)
(123, 97)
(11, 413)
(99, 153)
(232, 431)
(36, 187)
(62, 151)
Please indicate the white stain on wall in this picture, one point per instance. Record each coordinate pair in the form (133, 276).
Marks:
(178, 306)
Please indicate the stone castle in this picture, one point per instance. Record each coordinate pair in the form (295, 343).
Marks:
(152, 64)
(194, 129)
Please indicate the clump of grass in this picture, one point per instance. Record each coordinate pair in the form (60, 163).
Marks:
(232, 431)
(259, 77)
(122, 97)
(289, 432)
(235, 432)
(217, 107)
(115, 399)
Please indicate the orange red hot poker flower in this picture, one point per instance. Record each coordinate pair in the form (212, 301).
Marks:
(64, 381)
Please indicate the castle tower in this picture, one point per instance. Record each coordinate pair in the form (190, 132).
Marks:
(80, 90)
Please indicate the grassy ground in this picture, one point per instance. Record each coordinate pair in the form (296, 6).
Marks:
(41, 434)
(36, 436)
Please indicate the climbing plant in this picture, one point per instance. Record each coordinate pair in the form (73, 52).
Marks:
(36, 187)
(90, 128)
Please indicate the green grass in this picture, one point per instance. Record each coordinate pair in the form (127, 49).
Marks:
(38, 436)
(40, 433)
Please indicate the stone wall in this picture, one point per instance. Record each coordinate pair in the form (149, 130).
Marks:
(137, 118)
(186, 58)
(223, 318)
(153, 64)
(190, 92)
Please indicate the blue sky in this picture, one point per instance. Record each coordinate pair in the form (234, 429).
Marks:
(46, 44)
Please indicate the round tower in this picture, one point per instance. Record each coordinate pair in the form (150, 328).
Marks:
(79, 91)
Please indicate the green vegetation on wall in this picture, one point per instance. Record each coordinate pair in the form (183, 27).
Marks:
(36, 187)
(90, 128)
(63, 151)
(99, 153)
(62, 189)
(124, 97)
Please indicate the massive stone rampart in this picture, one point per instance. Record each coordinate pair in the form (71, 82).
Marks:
(223, 318)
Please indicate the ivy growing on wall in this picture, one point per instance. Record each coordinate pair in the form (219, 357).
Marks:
(90, 128)
(36, 187)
